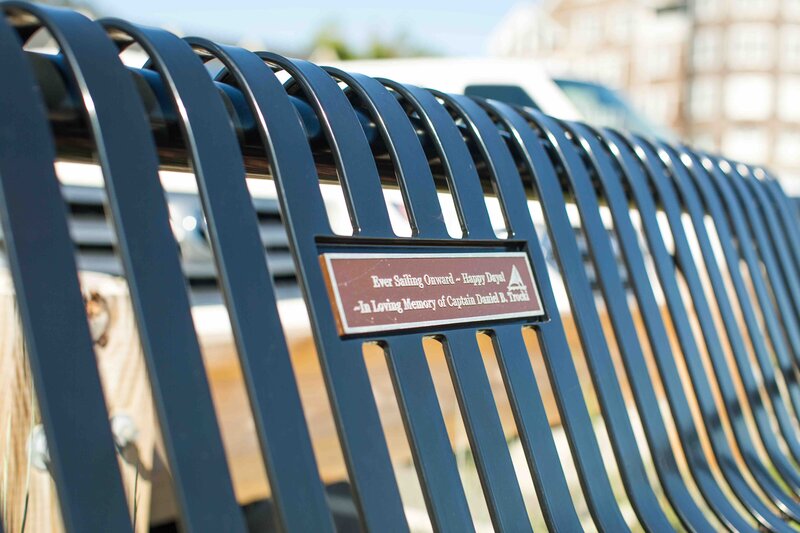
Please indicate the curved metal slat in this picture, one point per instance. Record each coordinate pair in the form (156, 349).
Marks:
(713, 207)
(127, 154)
(788, 214)
(483, 426)
(684, 260)
(633, 176)
(283, 435)
(787, 471)
(488, 444)
(665, 268)
(515, 364)
(563, 376)
(601, 149)
(59, 346)
(595, 348)
(520, 383)
(409, 160)
(433, 457)
(781, 245)
(718, 194)
(534, 429)
(364, 446)
(355, 165)
(425, 426)
(761, 473)
(625, 329)
(519, 379)
(231, 219)
(458, 165)
(753, 233)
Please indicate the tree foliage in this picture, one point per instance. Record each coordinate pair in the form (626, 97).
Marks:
(330, 42)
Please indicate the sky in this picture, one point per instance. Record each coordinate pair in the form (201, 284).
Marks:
(448, 27)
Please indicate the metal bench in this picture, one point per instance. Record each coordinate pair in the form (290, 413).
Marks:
(728, 274)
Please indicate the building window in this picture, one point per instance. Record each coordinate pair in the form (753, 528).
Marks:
(587, 27)
(787, 148)
(791, 8)
(706, 49)
(658, 62)
(790, 47)
(704, 103)
(608, 68)
(748, 97)
(749, 144)
(788, 101)
(708, 9)
(751, 46)
(705, 141)
(619, 25)
(748, 9)
(659, 103)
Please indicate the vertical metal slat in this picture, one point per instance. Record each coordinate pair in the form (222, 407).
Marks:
(59, 347)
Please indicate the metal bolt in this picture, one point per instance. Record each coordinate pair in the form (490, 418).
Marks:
(123, 426)
(38, 453)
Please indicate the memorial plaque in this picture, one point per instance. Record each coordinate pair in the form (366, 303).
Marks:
(387, 292)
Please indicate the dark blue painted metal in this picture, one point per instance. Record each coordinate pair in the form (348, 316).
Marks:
(416, 183)
(781, 246)
(429, 442)
(447, 504)
(410, 163)
(485, 433)
(712, 206)
(285, 442)
(634, 177)
(562, 372)
(787, 210)
(527, 406)
(469, 376)
(666, 271)
(59, 347)
(459, 168)
(356, 169)
(622, 321)
(202, 481)
(766, 432)
(604, 156)
(582, 301)
(758, 469)
(769, 219)
(127, 155)
(348, 383)
(764, 268)
(718, 195)
(416, 129)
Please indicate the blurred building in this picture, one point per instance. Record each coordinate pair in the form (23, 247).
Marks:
(724, 74)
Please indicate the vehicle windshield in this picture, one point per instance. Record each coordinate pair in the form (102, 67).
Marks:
(602, 106)
(510, 94)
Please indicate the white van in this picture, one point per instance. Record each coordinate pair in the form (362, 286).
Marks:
(519, 81)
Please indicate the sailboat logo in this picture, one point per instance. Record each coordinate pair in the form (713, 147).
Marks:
(515, 282)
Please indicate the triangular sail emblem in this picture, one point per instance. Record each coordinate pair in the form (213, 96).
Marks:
(515, 283)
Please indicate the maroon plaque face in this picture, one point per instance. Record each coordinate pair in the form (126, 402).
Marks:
(387, 292)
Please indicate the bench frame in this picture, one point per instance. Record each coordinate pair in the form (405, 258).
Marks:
(475, 146)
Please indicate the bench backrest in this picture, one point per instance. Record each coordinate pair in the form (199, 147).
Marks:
(473, 146)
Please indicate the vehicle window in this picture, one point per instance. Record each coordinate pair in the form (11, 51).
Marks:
(510, 94)
(602, 106)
